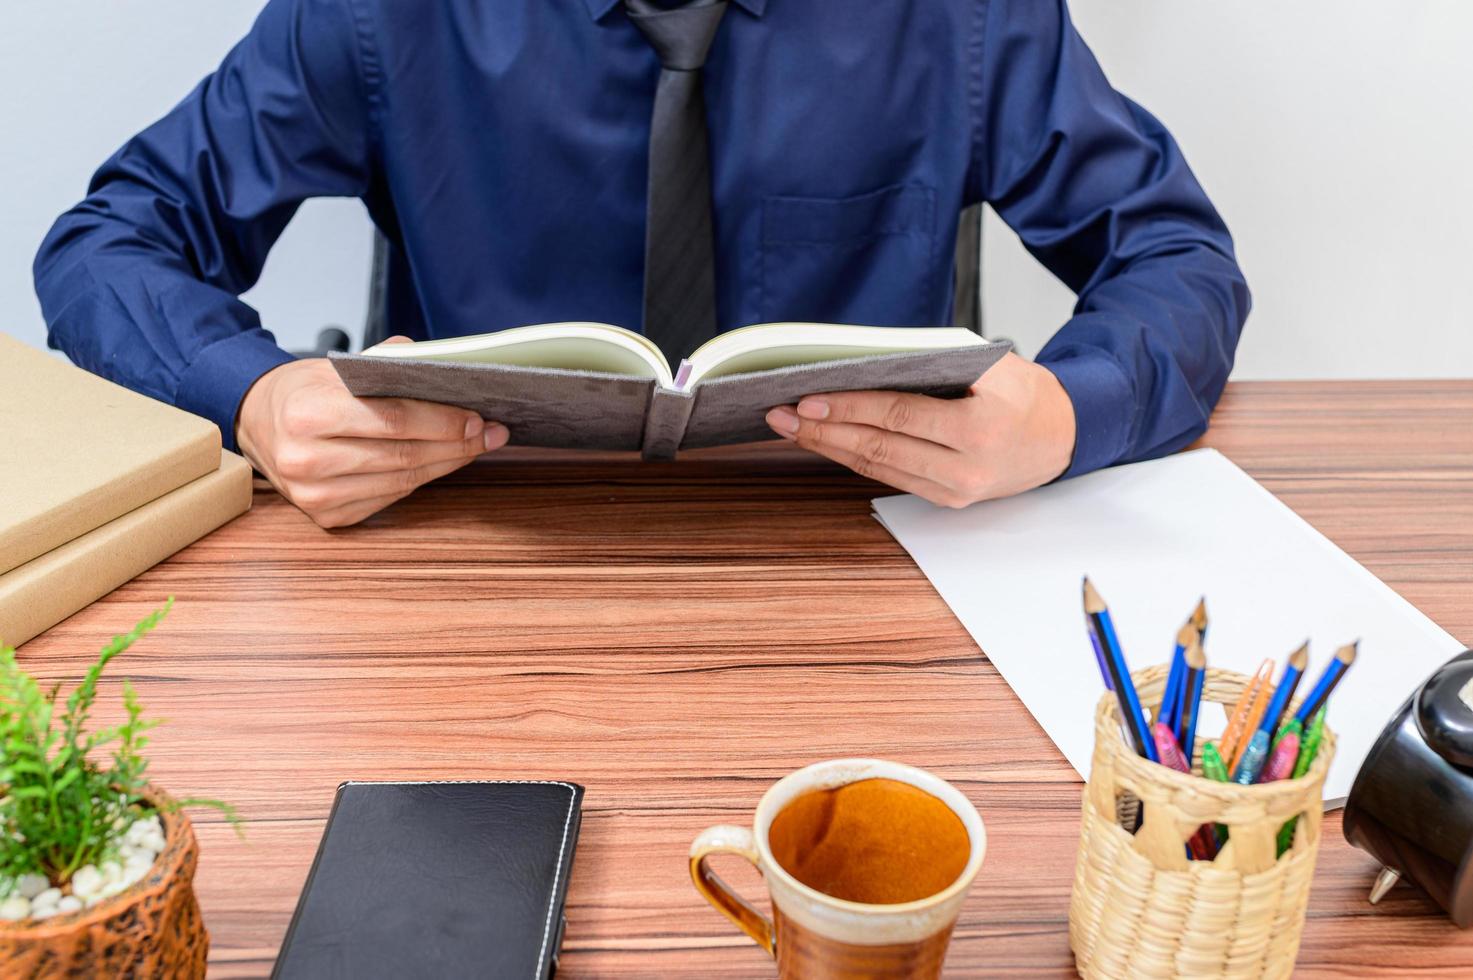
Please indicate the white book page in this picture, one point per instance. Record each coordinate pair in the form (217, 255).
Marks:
(766, 346)
(568, 346)
(1154, 537)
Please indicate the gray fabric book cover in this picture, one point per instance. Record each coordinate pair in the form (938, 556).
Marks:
(595, 410)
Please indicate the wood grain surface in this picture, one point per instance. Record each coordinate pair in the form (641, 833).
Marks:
(678, 636)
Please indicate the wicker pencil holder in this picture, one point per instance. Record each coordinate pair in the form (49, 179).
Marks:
(1140, 909)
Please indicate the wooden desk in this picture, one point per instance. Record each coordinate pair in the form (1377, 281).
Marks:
(677, 637)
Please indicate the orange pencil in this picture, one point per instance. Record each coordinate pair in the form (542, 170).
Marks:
(1238, 726)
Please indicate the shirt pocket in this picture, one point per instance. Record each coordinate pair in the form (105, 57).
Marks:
(867, 259)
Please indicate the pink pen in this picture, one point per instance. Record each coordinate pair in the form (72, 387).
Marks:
(1168, 749)
(1202, 846)
(1281, 763)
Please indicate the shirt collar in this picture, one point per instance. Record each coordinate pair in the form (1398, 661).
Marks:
(598, 8)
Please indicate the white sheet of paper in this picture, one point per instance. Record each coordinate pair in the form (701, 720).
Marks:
(1154, 537)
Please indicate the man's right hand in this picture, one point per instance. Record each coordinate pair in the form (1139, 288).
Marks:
(341, 458)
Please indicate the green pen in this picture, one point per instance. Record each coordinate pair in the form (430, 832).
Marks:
(1286, 835)
(1306, 758)
(1294, 726)
(1213, 767)
(1312, 739)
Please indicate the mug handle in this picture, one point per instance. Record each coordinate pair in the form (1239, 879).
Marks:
(726, 839)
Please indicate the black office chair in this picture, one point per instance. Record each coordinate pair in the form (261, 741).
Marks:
(967, 295)
(966, 306)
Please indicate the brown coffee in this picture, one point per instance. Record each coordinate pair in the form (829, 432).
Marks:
(877, 841)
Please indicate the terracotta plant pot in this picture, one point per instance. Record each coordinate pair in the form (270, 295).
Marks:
(153, 929)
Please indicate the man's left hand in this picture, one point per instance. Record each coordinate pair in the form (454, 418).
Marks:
(1014, 430)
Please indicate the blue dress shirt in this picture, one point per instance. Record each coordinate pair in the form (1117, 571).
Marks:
(500, 145)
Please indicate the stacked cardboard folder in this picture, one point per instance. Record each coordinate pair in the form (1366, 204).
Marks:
(97, 484)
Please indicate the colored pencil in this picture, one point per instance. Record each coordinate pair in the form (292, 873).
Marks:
(1293, 670)
(1199, 623)
(1170, 695)
(1192, 704)
(1255, 715)
(1199, 619)
(1168, 749)
(1281, 761)
(1334, 671)
(1238, 722)
(1097, 616)
(1094, 641)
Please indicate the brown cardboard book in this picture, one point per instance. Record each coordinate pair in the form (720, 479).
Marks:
(48, 589)
(77, 451)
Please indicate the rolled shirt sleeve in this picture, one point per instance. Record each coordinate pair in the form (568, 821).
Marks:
(1099, 193)
(140, 281)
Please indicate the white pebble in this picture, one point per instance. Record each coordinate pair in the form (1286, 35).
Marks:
(112, 888)
(42, 911)
(49, 897)
(69, 903)
(112, 871)
(153, 842)
(87, 880)
(29, 886)
(15, 907)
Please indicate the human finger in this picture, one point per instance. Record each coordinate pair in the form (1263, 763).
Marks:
(932, 419)
(327, 458)
(897, 450)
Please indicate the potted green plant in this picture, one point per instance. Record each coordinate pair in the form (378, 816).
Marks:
(96, 864)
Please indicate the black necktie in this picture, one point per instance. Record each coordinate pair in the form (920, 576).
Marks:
(679, 256)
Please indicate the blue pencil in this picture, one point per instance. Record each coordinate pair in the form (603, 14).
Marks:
(1293, 670)
(1097, 616)
(1199, 619)
(1094, 641)
(1198, 622)
(1334, 671)
(1192, 691)
(1167, 713)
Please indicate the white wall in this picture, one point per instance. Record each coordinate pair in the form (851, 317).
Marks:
(1335, 135)
(77, 78)
(1336, 138)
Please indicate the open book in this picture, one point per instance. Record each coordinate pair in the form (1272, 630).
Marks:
(598, 386)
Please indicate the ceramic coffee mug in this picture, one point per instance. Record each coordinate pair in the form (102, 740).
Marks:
(814, 933)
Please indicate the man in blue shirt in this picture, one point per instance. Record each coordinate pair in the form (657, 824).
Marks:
(502, 148)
